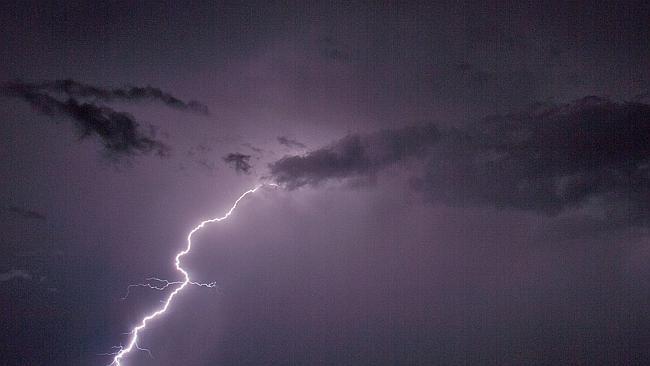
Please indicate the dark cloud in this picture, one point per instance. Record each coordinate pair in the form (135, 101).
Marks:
(591, 156)
(28, 214)
(119, 131)
(76, 89)
(239, 162)
(291, 143)
(354, 156)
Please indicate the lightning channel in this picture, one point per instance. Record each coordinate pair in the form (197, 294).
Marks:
(160, 284)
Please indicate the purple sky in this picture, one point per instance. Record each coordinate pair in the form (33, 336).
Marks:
(464, 183)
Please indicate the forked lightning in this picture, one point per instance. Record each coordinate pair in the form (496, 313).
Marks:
(160, 284)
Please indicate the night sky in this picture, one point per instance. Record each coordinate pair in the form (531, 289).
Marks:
(462, 182)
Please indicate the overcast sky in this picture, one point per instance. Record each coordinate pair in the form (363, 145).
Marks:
(462, 183)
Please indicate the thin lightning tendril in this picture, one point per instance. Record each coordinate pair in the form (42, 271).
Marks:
(160, 284)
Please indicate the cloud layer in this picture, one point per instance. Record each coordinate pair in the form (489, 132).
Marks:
(591, 155)
(354, 156)
(119, 131)
(76, 89)
(290, 143)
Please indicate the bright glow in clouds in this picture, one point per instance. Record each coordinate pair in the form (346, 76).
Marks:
(163, 284)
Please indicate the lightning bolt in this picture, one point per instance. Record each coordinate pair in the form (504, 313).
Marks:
(160, 284)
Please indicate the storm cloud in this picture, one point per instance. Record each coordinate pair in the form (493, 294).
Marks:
(591, 155)
(291, 143)
(354, 156)
(239, 162)
(119, 131)
(77, 89)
